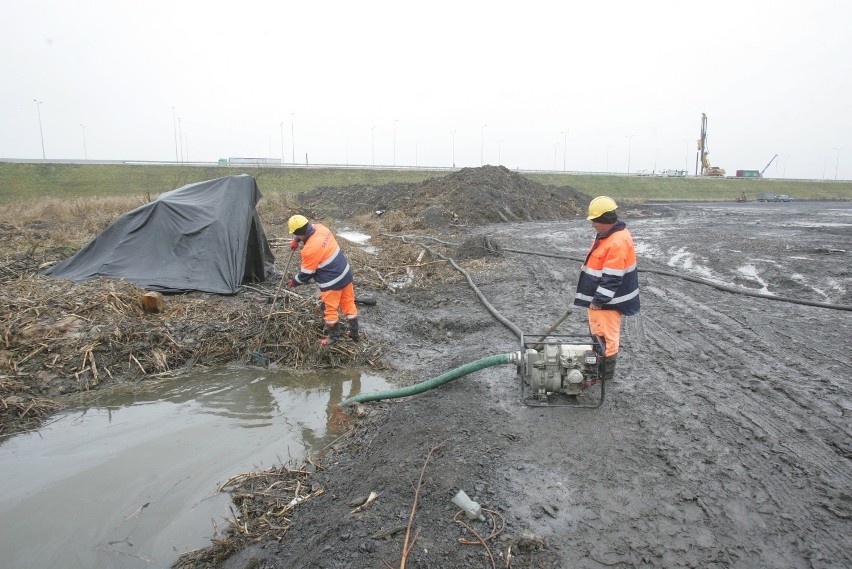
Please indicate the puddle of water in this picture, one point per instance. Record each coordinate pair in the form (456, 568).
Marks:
(359, 238)
(130, 480)
(354, 236)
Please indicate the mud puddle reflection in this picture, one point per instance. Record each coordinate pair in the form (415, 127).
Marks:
(130, 479)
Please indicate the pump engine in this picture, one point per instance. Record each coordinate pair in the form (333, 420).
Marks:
(560, 371)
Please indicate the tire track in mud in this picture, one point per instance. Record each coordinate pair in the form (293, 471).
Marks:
(780, 458)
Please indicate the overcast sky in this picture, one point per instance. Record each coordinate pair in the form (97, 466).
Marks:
(591, 86)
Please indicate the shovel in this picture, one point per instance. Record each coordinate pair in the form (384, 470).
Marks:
(257, 355)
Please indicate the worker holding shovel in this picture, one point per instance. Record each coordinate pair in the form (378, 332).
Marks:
(324, 263)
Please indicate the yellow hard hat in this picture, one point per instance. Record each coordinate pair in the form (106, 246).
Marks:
(600, 205)
(296, 222)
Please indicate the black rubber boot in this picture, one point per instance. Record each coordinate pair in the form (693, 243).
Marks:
(609, 368)
(333, 335)
(354, 330)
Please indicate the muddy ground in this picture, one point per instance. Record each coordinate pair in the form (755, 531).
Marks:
(725, 441)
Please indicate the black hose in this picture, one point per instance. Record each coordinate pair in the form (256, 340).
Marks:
(725, 288)
(699, 280)
(502, 319)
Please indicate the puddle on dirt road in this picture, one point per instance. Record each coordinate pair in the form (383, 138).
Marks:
(131, 479)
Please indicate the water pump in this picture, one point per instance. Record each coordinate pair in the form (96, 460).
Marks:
(560, 371)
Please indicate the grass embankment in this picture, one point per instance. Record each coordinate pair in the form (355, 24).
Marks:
(27, 182)
(644, 188)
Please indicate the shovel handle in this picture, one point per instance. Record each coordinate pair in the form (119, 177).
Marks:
(554, 327)
(275, 298)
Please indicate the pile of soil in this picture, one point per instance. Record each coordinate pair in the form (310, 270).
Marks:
(469, 197)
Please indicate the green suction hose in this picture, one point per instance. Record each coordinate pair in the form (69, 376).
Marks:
(447, 377)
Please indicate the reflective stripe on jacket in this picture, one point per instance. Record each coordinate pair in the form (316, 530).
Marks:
(609, 278)
(323, 261)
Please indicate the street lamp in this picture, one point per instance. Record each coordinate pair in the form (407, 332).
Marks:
(629, 138)
(40, 131)
(180, 136)
(85, 153)
(174, 124)
(282, 142)
(394, 140)
(373, 144)
(293, 138)
(564, 147)
(836, 162)
(454, 147)
(482, 145)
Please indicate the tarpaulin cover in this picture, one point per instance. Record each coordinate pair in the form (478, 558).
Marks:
(205, 236)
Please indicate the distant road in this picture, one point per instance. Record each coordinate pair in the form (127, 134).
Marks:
(366, 167)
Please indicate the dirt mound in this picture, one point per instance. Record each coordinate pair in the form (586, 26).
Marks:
(469, 197)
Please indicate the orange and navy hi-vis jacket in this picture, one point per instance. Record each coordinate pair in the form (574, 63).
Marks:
(322, 260)
(609, 278)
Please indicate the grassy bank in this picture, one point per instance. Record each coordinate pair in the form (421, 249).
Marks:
(24, 182)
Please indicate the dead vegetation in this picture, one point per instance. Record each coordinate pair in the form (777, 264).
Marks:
(262, 506)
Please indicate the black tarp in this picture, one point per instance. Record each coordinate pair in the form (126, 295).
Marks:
(205, 236)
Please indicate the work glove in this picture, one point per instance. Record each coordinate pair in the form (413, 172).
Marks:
(294, 244)
(293, 283)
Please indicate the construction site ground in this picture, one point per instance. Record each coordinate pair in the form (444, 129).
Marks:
(724, 441)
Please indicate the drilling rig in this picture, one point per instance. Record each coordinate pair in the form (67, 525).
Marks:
(702, 157)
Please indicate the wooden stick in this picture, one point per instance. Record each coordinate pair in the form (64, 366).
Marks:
(406, 546)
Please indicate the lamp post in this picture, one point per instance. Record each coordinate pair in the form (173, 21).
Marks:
(293, 137)
(564, 147)
(373, 144)
(85, 153)
(40, 131)
(454, 147)
(629, 138)
(174, 124)
(482, 145)
(836, 162)
(282, 142)
(394, 140)
(180, 136)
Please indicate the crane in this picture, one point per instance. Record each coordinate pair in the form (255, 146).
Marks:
(767, 165)
(703, 153)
